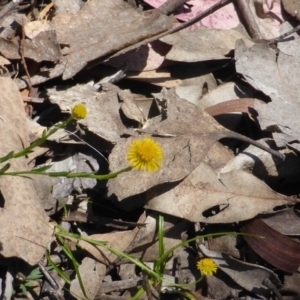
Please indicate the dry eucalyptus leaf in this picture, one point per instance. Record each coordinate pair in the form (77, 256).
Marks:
(145, 58)
(157, 77)
(103, 117)
(222, 288)
(272, 170)
(204, 197)
(91, 34)
(286, 222)
(186, 134)
(92, 273)
(130, 107)
(221, 94)
(103, 27)
(191, 89)
(224, 92)
(277, 249)
(43, 47)
(277, 77)
(23, 223)
(202, 44)
(181, 152)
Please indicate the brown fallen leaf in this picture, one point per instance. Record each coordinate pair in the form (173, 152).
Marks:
(42, 47)
(203, 196)
(286, 222)
(91, 34)
(277, 249)
(284, 175)
(271, 73)
(23, 223)
(186, 135)
(157, 77)
(202, 44)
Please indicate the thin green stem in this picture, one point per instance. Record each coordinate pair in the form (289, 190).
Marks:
(37, 142)
(68, 174)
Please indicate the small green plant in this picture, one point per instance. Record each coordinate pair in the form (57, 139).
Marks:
(156, 275)
(30, 281)
(143, 155)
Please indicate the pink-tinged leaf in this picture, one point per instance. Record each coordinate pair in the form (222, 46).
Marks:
(224, 18)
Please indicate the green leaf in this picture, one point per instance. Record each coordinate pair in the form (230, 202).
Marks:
(5, 168)
(7, 157)
(58, 270)
(42, 169)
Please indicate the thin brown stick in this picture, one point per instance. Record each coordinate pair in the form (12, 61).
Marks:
(248, 17)
(283, 36)
(240, 137)
(23, 61)
(196, 19)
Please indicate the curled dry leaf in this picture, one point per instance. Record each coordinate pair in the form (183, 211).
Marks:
(272, 170)
(277, 249)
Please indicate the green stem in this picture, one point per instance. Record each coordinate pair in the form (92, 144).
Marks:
(69, 175)
(38, 142)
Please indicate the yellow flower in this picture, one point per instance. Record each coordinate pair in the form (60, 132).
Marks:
(79, 111)
(145, 155)
(207, 266)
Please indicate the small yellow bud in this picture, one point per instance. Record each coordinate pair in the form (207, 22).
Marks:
(79, 111)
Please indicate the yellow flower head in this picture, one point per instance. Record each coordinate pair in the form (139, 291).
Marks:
(79, 111)
(145, 155)
(207, 266)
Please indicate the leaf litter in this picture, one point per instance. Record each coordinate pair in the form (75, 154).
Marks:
(203, 93)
